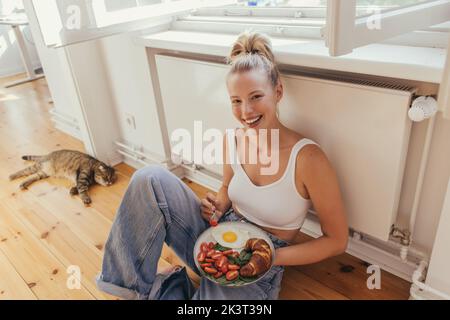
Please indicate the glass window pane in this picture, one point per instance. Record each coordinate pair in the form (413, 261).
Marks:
(11, 7)
(384, 4)
(116, 5)
(283, 3)
(374, 6)
(391, 3)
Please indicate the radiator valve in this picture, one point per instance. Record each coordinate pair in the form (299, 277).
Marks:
(422, 108)
(403, 235)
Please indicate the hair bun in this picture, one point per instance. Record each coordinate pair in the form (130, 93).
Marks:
(251, 43)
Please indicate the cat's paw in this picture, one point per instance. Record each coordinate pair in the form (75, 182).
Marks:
(73, 191)
(87, 202)
(23, 187)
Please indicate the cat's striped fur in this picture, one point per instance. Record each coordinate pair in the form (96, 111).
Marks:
(80, 168)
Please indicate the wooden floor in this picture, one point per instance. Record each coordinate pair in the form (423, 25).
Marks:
(44, 231)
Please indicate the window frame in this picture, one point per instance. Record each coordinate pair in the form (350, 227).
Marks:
(103, 18)
(345, 32)
(96, 22)
(290, 24)
(444, 88)
(276, 21)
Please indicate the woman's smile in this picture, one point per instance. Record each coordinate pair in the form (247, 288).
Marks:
(253, 122)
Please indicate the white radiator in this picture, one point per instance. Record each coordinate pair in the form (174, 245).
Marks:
(362, 126)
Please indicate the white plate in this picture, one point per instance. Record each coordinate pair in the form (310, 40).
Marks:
(253, 231)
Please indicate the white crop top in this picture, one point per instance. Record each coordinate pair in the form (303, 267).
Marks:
(277, 205)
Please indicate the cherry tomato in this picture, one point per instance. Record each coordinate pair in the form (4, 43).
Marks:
(211, 245)
(217, 256)
(213, 223)
(221, 261)
(228, 252)
(211, 252)
(201, 256)
(233, 267)
(204, 265)
(224, 269)
(204, 247)
(218, 275)
(231, 275)
(211, 270)
(209, 260)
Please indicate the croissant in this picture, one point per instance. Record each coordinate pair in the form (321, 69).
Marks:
(261, 259)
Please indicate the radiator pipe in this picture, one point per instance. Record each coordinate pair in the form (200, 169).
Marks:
(420, 272)
(133, 157)
(418, 285)
(419, 186)
(141, 157)
(151, 155)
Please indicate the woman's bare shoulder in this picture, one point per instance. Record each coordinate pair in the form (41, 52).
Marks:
(292, 137)
(310, 155)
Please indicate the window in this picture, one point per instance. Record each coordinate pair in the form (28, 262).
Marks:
(115, 5)
(343, 23)
(282, 3)
(346, 31)
(8, 7)
(64, 22)
(114, 12)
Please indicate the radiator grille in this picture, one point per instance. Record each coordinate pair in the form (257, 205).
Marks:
(385, 84)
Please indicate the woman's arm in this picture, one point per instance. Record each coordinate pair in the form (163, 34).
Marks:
(321, 181)
(221, 201)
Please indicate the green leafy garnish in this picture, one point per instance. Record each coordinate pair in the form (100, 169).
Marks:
(245, 257)
(217, 246)
(233, 260)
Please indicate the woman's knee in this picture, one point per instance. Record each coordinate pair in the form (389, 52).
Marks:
(143, 194)
(142, 176)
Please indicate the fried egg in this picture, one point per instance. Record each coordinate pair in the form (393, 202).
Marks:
(230, 237)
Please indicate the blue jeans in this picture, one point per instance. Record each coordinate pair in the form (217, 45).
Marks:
(158, 207)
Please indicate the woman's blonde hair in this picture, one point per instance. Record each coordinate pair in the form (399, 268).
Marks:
(253, 50)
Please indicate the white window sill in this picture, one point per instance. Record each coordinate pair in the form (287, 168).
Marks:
(395, 61)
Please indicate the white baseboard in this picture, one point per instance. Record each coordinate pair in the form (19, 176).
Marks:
(385, 260)
(116, 160)
(204, 179)
(68, 130)
(375, 255)
(15, 70)
(138, 165)
(65, 123)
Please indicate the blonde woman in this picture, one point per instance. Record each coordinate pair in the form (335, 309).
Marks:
(158, 207)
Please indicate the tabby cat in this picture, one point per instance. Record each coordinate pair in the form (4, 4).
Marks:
(78, 167)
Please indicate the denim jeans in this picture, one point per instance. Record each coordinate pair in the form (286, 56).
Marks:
(158, 207)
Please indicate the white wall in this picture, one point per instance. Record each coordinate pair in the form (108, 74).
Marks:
(438, 275)
(58, 75)
(77, 79)
(434, 185)
(131, 86)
